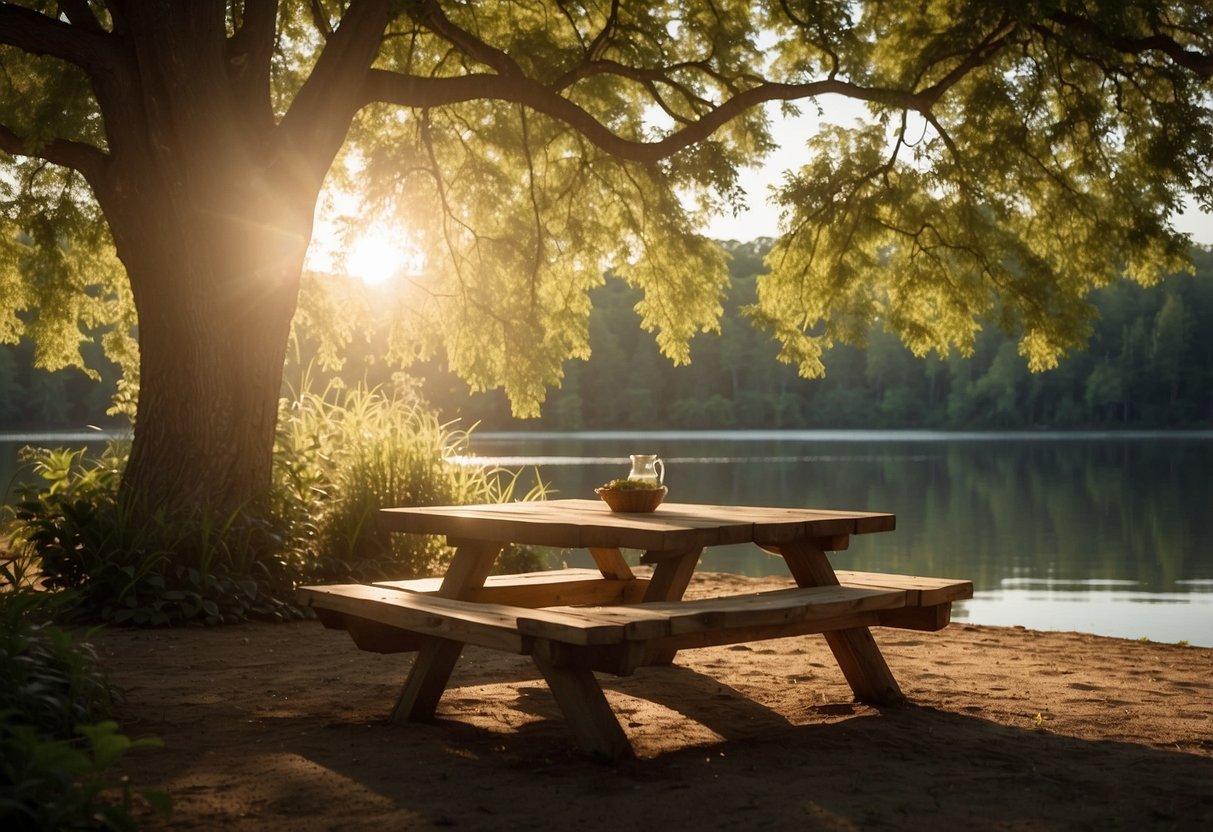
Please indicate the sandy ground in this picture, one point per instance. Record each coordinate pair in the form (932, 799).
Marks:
(284, 727)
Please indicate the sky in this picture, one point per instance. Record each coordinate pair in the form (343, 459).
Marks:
(762, 219)
(378, 255)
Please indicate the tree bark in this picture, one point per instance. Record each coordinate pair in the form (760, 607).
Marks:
(215, 297)
(210, 198)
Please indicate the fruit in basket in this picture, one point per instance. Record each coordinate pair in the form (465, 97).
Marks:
(625, 484)
(631, 496)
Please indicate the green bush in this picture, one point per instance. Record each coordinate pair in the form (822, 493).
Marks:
(344, 454)
(339, 457)
(57, 747)
(139, 569)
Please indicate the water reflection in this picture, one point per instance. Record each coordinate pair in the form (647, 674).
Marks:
(1104, 533)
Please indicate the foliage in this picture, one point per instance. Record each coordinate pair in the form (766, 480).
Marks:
(1147, 366)
(341, 456)
(57, 749)
(138, 569)
(1013, 157)
(625, 484)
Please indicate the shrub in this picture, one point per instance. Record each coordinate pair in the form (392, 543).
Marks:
(342, 455)
(140, 569)
(57, 747)
(339, 457)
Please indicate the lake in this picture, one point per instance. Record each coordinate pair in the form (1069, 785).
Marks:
(1108, 533)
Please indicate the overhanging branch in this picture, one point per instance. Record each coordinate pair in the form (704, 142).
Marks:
(1199, 63)
(86, 45)
(86, 159)
(412, 91)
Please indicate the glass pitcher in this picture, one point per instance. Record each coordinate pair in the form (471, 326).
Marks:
(647, 468)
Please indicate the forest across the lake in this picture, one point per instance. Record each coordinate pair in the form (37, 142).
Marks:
(1148, 364)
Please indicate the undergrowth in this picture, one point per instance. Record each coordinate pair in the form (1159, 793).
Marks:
(58, 742)
(340, 455)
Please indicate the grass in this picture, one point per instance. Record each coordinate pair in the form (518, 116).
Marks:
(340, 455)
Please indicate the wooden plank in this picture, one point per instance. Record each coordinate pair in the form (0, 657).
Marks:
(469, 567)
(787, 606)
(601, 625)
(589, 523)
(671, 576)
(927, 619)
(854, 649)
(374, 637)
(515, 579)
(585, 708)
(488, 625)
(740, 615)
(611, 563)
(427, 680)
(557, 587)
(921, 591)
(715, 638)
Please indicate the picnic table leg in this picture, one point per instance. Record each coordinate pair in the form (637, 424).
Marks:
(671, 576)
(611, 564)
(854, 649)
(585, 708)
(470, 566)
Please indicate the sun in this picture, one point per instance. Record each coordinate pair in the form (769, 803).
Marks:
(376, 257)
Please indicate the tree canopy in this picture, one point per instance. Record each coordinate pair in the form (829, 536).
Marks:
(1016, 156)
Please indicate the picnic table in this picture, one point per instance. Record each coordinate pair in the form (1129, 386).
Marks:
(576, 622)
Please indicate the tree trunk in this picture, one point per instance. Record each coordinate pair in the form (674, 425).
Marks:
(215, 293)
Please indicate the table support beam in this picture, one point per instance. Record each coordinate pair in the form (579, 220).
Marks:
(427, 680)
(470, 567)
(585, 708)
(854, 649)
(671, 577)
(611, 564)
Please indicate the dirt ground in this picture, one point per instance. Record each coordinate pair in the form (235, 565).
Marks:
(284, 727)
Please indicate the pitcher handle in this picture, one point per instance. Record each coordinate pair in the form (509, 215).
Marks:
(660, 466)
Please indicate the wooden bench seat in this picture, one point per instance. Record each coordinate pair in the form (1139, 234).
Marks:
(397, 616)
(678, 624)
(542, 589)
(569, 642)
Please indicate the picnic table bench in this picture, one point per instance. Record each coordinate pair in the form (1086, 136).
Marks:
(575, 622)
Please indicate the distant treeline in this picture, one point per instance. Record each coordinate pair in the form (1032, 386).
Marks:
(1148, 364)
(31, 398)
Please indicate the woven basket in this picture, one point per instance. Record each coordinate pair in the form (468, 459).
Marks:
(632, 500)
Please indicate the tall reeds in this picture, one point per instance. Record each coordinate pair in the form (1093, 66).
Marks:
(341, 454)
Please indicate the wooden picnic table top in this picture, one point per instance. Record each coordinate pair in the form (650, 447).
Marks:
(573, 523)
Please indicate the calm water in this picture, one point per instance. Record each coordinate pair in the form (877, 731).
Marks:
(1101, 533)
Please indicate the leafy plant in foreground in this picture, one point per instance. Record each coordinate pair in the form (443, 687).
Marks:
(155, 570)
(341, 455)
(57, 746)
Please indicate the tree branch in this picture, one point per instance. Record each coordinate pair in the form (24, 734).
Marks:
(434, 18)
(412, 91)
(1199, 63)
(79, 14)
(979, 56)
(87, 47)
(320, 115)
(250, 54)
(86, 159)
